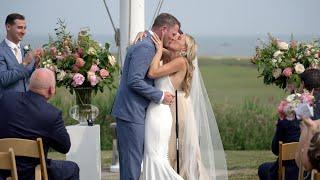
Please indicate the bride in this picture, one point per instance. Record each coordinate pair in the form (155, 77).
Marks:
(201, 151)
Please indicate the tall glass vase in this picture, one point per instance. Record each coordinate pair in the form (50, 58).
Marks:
(83, 95)
(84, 112)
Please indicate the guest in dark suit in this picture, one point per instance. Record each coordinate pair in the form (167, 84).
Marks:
(16, 65)
(311, 81)
(287, 131)
(28, 115)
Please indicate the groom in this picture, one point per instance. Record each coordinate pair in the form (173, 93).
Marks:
(135, 93)
(16, 66)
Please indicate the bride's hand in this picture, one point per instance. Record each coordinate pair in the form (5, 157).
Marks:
(158, 42)
(140, 36)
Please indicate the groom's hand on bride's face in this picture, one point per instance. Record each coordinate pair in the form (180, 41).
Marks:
(168, 98)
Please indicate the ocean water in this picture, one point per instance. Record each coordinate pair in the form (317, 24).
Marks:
(243, 46)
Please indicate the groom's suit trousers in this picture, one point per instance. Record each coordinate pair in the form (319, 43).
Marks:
(130, 146)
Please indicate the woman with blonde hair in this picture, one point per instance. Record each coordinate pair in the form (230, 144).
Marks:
(176, 68)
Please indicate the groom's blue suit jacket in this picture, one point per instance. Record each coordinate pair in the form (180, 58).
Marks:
(136, 90)
(13, 76)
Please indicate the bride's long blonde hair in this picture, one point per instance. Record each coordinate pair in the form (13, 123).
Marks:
(189, 54)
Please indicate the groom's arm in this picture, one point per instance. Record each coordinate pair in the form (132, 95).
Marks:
(137, 70)
(10, 76)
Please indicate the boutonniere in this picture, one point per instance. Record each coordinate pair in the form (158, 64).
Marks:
(26, 49)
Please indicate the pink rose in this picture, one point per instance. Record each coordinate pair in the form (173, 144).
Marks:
(80, 62)
(307, 98)
(293, 44)
(287, 72)
(75, 68)
(104, 73)
(281, 108)
(76, 55)
(94, 68)
(80, 52)
(78, 80)
(53, 51)
(307, 53)
(93, 80)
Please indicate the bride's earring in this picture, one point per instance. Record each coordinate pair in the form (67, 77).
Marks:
(183, 53)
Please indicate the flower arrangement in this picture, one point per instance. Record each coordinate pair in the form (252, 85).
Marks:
(80, 62)
(281, 63)
(287, 106)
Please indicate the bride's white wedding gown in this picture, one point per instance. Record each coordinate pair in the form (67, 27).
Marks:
(156, 165)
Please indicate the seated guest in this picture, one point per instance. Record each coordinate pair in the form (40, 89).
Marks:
(311, 81)
(287, 130)
(28, 115)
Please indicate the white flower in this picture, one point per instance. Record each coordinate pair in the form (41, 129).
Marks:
(277, 53)
(112, 60)
(274, 61)
(283, 45)
(60, 75)
(90, 73)
(290, 98)
(91, 51)
(26, 48)
(277, 73)
(316, 55)
(49, 61)
(299, 68)
(59, 53)
(314, 64)
(307, 53)
(97, 61)
(279, 60)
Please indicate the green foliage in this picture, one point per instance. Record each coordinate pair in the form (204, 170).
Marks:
(80, 62)
(275, 59)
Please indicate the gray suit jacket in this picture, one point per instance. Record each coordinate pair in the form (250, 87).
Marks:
(13, 76)
(136, 90)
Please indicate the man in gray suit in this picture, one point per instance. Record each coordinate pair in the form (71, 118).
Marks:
(15, 66)
(135, 93)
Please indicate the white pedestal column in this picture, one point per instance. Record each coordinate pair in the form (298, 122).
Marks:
(85, 150)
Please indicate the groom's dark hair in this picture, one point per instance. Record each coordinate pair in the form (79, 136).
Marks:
(12, 17)
(165, 19)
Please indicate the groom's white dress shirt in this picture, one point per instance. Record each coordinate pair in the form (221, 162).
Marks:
(15, 48)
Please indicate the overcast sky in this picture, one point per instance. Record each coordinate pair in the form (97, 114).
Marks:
(198, 17)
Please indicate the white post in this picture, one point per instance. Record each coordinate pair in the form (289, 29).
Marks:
(132, 21)
(85, 150)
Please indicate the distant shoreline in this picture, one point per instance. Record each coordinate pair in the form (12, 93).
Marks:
(233, 57)
(213, 47)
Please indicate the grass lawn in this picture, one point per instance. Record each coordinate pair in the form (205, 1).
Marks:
(241, 164)
(230, 81)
